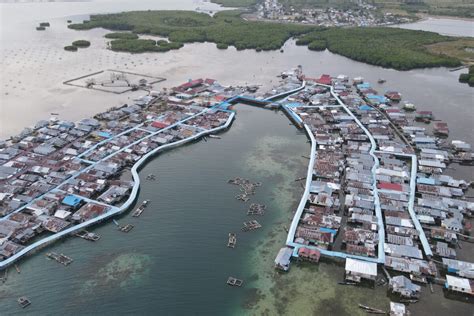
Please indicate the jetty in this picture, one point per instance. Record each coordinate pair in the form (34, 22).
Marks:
(141, 208)
(61, 258)
(234, 281)
(232, 240)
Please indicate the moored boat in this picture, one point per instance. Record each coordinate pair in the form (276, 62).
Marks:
(409, 106)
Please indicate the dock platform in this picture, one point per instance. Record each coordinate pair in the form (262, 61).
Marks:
(24, 301)
(61, 258)
(234, 281)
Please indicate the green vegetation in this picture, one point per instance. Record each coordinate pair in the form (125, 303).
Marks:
(81, 43)
(225, 28)
(468, 77)
(461, 8)
(235, 3)
(387, 47)
(70, 48)
(461, 48)
(121, 35)
(143, 45)
(77, 44)
(381, 46)
(222, 46)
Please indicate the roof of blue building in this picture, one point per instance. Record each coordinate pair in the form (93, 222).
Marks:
(365, 108)
(428, 181)
(364, 85)
(72, 200)
(104, 134)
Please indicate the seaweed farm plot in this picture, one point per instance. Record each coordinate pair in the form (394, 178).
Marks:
(114, 81)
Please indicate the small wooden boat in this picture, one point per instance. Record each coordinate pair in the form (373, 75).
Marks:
(347, 283)
(141, 208)
(232, 240)
(17, 269)
(372, 310)
(126, 228)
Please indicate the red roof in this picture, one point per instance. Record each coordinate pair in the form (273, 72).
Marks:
(325, 79)
(393, 95)
(157, 124)
(219, 98)
(390, 186)
(188, 85)
(209, 81)
(303, 251)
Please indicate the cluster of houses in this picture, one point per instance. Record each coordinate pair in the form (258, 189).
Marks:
(359, 13)
(378, 174)
(60, 173)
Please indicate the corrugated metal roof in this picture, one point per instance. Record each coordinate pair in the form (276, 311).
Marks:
(363, 267)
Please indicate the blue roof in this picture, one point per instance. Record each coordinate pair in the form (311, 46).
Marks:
(377, 98)
(365, 108)
(364, 85)
(328, 230)
(72, 200)
(429, 181)
(104, 134)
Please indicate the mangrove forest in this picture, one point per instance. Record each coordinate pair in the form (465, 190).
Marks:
(387, 47)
